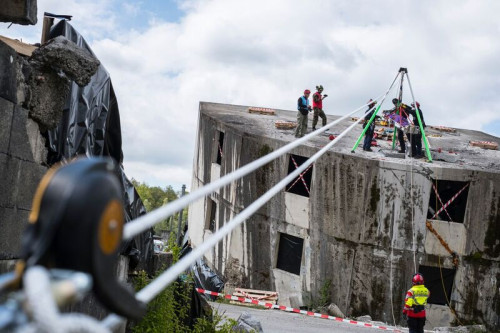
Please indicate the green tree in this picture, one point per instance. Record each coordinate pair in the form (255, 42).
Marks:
(154, 197)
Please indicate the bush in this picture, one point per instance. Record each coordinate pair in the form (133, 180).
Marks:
(170, 311)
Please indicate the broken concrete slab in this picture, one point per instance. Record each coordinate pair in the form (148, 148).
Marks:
(62, 55)
(19, 11)
(54, 65)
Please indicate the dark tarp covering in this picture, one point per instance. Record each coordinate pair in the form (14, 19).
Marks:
(204, 277)
(91, 126)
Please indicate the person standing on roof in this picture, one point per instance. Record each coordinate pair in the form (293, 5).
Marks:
(401, 111)
(303, 108)
(415, 135)
(369, 132)
(318, 106)
(415, 301)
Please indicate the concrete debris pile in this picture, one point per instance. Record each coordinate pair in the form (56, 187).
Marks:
(52, 68)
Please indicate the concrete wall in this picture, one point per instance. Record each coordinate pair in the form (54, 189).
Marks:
(358, 232)
(22, 154)
(19, 11)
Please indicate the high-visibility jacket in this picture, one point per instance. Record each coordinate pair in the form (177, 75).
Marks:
(415, 301)
(319, 103)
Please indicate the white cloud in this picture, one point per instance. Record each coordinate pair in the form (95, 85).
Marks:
(266, 52)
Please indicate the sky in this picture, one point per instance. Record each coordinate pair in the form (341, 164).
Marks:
(164, 57)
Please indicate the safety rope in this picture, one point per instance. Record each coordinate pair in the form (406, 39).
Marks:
(445, 294)
(163, 280)
(147, 221)
(44, 311)
(443, 243)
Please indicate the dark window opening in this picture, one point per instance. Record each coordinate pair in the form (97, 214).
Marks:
(447, 190)
(212, 210)
(302, 184)
(433, 282)
(220, 147)
(290, 253)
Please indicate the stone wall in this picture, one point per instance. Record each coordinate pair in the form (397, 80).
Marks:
(22, 153)
(356, 227)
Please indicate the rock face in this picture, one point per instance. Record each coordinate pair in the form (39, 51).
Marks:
(52, 66)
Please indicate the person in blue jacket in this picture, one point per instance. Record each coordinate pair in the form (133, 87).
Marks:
(303, 108)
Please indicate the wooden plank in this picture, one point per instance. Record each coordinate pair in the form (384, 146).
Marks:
(444, 129)
(484, 144)
(18, 46)
(264, 111)
(260, 295)
(279, 124)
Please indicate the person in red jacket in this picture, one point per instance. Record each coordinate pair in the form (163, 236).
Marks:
(318, 106)
(415, 301)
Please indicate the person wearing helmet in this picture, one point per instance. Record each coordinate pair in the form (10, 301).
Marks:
(415, 301)
(402, 110)
(415, 135)
(318, 106)
(369, 132)
(303, 108)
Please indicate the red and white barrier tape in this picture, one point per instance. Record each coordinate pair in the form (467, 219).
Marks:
(449, 202)
(301, 175)
(289, 309)
(437, 195)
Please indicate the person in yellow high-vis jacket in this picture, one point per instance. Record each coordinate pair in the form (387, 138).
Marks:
(415, 301)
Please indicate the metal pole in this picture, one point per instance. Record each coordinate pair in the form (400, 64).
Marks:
(398, 107)
(426, 143)
(180, 219)
(373, 115)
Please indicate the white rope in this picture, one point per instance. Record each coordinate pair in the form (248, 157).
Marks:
(411, 186)
(44, 311)
(161, 282)
(145, 222)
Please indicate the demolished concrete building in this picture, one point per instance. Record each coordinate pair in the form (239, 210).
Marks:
(349, 222)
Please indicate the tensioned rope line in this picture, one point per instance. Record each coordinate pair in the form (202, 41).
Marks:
(145, 222)
(161, 282)
(411, 185)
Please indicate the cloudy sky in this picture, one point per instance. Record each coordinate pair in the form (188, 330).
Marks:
(165, 57)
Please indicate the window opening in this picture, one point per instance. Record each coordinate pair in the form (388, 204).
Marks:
(448, 200)
(220, 147)
(302, 183)
(212, 210)
(290, 253)
(432, 280)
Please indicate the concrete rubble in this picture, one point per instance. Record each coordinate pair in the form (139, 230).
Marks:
(52, 67)
(247, 323)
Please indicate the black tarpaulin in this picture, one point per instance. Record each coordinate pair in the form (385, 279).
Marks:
(90, 126)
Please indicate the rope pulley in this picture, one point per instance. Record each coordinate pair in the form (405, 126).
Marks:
(76, 223)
